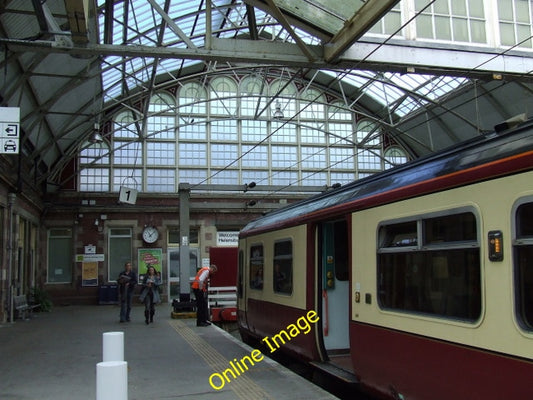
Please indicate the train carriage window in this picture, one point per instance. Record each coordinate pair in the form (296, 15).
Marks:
(450, 228)
(256, 267)
(282, 278)
(437, 274)
(523, 259)
(398, 235)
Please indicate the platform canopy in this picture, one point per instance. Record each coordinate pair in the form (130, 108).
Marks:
(69, 64)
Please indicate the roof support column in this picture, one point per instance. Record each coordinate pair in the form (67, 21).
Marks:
(184, 191)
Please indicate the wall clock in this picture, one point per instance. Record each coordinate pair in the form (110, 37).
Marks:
(150, 234)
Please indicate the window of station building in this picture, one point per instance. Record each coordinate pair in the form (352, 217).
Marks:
(193, 154)
(59, 255)
(285, 94)
(312, 105)
(127, 177)
(342, 158)
(315, 178)
(253, 131)
(224, 130)
(253, 93)
(195, 129)
(282, 268)
(94, 179)
(161, 180)
(283, 132)
(224, 177)
(223, 154)
(284, 177)
(192, 99)
(284, 156)
(119, 251)
(312, 133)
(515, 21)
(223, 96)
(174, 236)
(313, 157)
(451, 20)
(94, 172)
(390, 23)
(217, 125)
(254, 156)
(192, 176)
(256, 267)
(369, 151)
(431, 265)
(395, 156)
(162, 120)
(523, 270)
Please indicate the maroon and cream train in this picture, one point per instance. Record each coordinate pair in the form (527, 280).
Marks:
(422, 276)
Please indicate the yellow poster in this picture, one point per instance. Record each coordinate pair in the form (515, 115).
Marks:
(89, 273)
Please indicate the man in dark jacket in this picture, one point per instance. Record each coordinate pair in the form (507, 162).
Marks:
(127, 280)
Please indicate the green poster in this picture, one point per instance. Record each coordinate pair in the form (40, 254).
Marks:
(149, 257)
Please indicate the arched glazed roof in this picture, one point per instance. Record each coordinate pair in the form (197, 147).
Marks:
(70, 64)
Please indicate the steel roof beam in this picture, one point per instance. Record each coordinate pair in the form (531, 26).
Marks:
(356, 26)
(400, 57)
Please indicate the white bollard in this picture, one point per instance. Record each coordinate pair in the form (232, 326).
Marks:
(113, 346)
(112, 380)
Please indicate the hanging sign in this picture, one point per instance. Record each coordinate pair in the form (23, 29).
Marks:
(9, 130)
(127, 195)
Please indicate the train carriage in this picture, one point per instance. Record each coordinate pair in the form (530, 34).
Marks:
(422, 276)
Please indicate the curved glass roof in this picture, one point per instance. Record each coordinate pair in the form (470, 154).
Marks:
(434, 75)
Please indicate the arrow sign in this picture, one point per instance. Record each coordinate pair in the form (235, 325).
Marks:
(12, 130)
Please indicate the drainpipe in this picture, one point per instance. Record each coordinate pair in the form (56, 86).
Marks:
(11, 198)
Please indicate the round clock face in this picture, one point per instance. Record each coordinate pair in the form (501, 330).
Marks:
(150, 234)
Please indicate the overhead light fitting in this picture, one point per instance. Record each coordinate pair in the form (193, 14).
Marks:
(95, 135)
(278, 114)
(96, 138)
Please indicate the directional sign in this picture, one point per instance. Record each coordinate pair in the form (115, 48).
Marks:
(9, 130)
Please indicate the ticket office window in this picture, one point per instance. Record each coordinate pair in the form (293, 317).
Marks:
(431, 265)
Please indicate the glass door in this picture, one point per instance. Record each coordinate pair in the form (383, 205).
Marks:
(174, 270)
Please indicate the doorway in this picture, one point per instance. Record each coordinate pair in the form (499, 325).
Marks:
(174, 270)
(334, 273)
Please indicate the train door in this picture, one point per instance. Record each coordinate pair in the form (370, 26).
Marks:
(334, 270)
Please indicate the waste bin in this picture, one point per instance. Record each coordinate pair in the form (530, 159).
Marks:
(108, 294)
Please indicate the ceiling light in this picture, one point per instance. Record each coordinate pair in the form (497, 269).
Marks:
(95, 138)
(278, 114)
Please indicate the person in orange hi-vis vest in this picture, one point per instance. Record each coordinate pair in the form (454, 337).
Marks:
(199, 287)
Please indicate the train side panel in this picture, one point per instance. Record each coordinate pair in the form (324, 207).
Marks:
(453, 327)
(274, 285)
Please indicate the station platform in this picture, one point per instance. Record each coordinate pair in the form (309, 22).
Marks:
(54, 356)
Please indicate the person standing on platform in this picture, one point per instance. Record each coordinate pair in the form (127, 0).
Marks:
(127, 280)
(199, 287)
(150, 293)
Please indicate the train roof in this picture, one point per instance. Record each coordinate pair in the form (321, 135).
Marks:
(479, 151)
